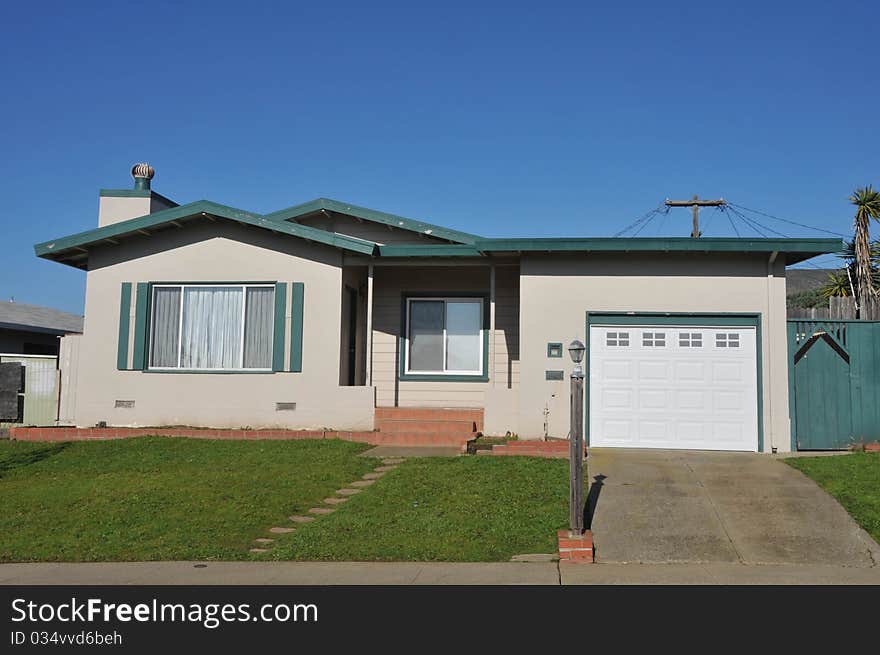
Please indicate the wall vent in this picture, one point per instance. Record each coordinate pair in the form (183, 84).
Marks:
(124, 404)
(285, 407)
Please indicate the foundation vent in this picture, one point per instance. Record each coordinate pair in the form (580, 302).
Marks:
(124, 404)
(285, 407)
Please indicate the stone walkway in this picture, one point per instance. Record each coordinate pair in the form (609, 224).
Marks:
(264, 544)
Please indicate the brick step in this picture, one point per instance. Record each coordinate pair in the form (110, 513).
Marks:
(425, 425)
(533, 448)
(473, 415)
(421, 438)
(524, 452)
(534, 443)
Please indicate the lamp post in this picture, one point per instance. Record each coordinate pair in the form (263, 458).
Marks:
(576, 441)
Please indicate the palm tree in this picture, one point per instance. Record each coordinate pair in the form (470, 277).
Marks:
(867, 202)
(837, 284)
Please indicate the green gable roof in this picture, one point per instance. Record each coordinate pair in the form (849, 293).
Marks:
(73, 249)
(365, 214)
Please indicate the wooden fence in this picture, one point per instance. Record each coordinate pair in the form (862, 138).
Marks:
(839, 308)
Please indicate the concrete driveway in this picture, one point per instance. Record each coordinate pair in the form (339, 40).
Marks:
(662, 506)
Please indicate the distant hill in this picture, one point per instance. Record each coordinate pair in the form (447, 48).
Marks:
(805, 279)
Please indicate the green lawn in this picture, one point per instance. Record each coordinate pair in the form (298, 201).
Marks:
(158, 498)
(439, 509)
(854, 480)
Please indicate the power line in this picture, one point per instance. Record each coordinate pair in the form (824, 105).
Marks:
(755, 224)
(646, 223)
(639, 222)
(786, 220)
(729, 218)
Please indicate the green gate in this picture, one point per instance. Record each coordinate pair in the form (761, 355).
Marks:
(834, 383)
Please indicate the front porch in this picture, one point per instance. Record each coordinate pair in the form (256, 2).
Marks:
(441, 341)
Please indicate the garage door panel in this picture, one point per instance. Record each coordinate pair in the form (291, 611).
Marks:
(655, 371)
(673, 387)
(653, 399)
(690, 372)
(653, 430)
(615, 370)
(690, 400)
(617, 399)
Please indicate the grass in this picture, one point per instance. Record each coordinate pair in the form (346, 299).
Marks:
(854, 480)
(160, 498)
(437, 509)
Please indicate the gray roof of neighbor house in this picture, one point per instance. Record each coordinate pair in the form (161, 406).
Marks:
(74, 249)
(32, 318)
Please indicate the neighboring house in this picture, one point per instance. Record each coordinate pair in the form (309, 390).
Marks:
(314, 316)
(32, 330)
(30, 337)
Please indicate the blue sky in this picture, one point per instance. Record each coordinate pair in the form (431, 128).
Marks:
(519, 119)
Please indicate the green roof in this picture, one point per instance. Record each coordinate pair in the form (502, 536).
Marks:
(365, 214)
(73, 250)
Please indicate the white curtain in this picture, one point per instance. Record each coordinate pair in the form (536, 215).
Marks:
(212, 327)
(258, 323)
(166, 326)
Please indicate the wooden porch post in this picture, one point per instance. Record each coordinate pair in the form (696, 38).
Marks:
(491, 371)
(369, 363)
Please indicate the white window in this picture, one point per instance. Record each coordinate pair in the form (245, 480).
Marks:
(617, 339)
(654, 339)
(690, 339)
(727, 339)
(444, 336)
(212, 327)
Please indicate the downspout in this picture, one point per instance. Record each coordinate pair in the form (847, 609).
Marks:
(768, 365)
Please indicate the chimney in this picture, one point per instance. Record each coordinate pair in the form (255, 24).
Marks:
(117, 205)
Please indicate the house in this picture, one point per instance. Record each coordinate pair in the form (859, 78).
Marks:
(326, 314)
(33, 330)
(29, 338)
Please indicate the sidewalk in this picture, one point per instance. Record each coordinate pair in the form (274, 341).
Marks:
(426, 573)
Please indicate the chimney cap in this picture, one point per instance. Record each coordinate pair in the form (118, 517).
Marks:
(142, 170)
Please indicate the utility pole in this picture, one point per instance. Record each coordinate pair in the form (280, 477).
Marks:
(696, 203)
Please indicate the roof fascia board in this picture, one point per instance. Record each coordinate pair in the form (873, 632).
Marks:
(671, 244)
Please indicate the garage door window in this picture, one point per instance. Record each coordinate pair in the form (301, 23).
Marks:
(654, 339)
(727, 340)
(617, 339)
(690, 339)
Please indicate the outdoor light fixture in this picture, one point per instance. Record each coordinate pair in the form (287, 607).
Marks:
(576, 349)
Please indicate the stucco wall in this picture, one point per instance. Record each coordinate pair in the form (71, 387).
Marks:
(390, 283)
(556, 292)
(218, 252)
(115, 210)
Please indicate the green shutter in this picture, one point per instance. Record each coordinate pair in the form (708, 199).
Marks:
(278, 345)
(296, 328)
(141, 322)
(124, 322)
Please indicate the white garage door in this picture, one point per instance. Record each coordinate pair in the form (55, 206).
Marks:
(673, 387)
